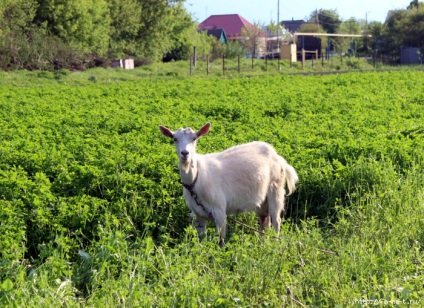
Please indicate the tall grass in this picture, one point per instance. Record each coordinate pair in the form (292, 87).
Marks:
(182, 69)
(91, 212)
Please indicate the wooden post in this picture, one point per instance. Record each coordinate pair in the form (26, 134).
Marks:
(194, 55)
(191, 64)
(266, 62)
(207, 65)
(316, 55)
(291, 59)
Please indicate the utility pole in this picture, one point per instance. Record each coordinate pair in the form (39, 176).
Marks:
(278, 27)
(278, 12)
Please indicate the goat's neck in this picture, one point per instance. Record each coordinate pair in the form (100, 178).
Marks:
(188, 172)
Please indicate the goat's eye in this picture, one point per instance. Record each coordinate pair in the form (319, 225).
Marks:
(175, 139)
(194, 138)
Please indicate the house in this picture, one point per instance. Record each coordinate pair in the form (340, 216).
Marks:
(232, 24)
(292, 25)
(219, 34)
(276, 38)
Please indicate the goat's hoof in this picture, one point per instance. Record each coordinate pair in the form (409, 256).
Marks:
(221, 243)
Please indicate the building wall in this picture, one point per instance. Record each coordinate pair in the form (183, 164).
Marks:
(409, 55)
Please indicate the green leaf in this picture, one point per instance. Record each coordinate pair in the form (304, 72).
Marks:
(7, 285)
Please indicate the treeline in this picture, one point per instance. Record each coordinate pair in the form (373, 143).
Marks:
(77, 34)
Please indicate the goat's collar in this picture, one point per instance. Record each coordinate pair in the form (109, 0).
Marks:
(190, 187)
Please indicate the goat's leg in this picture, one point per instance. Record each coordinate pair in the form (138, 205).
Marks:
(263, 216)
(200, 225)
(276, 205)
(221, 226)
(264, 221)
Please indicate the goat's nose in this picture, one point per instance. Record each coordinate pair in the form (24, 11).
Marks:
(184, 152)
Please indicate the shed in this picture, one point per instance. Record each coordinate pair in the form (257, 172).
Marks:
(127, 64)
(411, 55)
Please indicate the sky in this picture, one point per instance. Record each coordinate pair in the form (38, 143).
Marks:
(264, 11)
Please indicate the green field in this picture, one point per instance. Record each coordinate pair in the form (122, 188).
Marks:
(92, 213)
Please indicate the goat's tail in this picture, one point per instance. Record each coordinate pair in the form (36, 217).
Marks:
(291, 178)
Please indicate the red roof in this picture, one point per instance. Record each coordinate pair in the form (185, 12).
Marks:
(231, 23)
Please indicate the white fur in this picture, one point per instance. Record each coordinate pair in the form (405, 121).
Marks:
(248, 177)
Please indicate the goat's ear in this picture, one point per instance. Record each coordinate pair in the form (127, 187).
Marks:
(166, 131)
(204, 130)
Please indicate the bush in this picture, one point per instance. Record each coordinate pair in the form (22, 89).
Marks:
(353, 63)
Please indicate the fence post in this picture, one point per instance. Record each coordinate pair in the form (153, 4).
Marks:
(278, 59)
(207, 65)
(191, 64)
(303, 58)
(266, 62)
(194, 55)
(223, 65)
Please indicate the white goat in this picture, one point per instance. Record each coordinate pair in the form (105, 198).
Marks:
(248, 177)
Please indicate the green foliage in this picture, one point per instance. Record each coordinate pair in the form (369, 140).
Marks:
(403, 28)
(353, 63)
(92, 213)
(82, 24)
(329, 19)
(125, 24)
(65, 34)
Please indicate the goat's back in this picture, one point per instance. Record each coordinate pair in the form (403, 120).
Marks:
(250, 156)
(244, 172)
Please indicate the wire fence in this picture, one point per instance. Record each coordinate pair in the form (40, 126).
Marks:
(308, 62)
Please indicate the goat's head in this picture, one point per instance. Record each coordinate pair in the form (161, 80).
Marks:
(185, 140)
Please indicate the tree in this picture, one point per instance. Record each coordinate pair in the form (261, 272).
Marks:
(413, 4)
(404, 28)
(412, 27)
(124, 27)
(328, 19)
(83, 24)
(311, 28)
(342, 44)
(376, 30)
(165, 26)
(184, 36)
(25, 44)
(252, 39)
